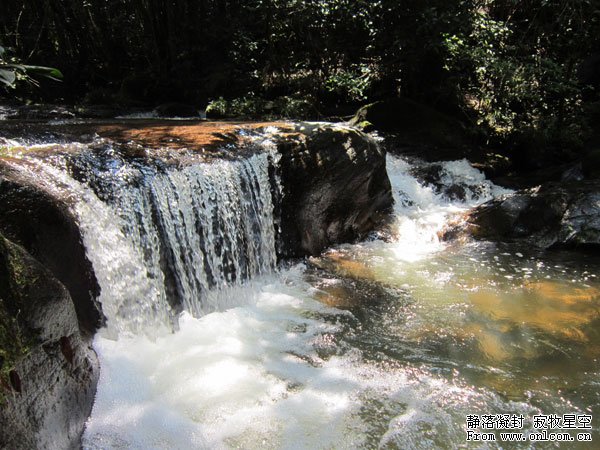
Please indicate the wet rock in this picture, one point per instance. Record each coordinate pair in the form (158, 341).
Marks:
(433, 175)
(35, 216)
(334, 181)
(41, 113)
(552, 215)
(335, 187)
(45, 396)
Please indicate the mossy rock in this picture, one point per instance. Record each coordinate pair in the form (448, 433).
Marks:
(416, 123)
(41, 222)
(26, 291)
(49, 373)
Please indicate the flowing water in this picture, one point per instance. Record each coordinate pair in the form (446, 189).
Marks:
(388, 343)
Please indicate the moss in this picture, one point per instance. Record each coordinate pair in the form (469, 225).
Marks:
(12, 150)
(16, 341)
(14, 345)
(365, 125)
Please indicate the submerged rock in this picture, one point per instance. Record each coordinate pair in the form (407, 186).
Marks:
(551, 215)
(335, 187)
(48, 372)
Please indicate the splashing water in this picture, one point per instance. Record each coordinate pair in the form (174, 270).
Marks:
(165, 240)
(373, 345)
(421, 212)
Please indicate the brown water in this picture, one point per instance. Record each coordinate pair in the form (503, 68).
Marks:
(519, 323)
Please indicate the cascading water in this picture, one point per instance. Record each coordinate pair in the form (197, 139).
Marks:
(387, 343)
(166, 239)
(421, 210)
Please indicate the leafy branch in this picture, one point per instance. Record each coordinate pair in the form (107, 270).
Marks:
(13, 72)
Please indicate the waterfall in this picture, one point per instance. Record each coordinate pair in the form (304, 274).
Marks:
(421, 208)
(163, 239)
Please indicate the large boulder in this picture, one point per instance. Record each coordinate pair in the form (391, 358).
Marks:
(334, 180)
(551, 215)
(36, 217)
(48, 372)
(335, 187)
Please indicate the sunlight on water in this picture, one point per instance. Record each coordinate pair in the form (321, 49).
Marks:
(381, 344)
(275, 373)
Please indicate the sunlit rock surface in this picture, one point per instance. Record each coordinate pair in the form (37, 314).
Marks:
(334, 181)
(551, 215)
(335, 185)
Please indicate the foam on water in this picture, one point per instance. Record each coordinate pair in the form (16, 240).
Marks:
(273, 370)
(421, 211)
(175, 235)
(257, 361)
(252, 377)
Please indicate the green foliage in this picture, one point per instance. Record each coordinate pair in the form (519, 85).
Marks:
(516, 66)
(353, 84)
(504, 65)
(255, 107)
(13, 72)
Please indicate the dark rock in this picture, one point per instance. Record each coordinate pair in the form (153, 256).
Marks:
(573, 173)
(41, 113)
(435, 176)
(553, 215)
(100, 111)
(591, 164)
(45, 400)
(34, 216)
(176, 110)
(335, 187)
(412, 122)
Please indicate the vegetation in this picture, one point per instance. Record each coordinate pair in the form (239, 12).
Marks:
(13, 71)
(517, 69)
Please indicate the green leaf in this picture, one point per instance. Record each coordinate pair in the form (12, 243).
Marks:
(48, 72)
(7, 77)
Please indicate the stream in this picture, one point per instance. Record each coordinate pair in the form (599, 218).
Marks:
(386, 343)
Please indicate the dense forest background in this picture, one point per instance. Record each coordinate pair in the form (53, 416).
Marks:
(509, 68)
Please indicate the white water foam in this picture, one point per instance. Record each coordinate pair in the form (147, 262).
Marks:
(421, 212)
(251, 377)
